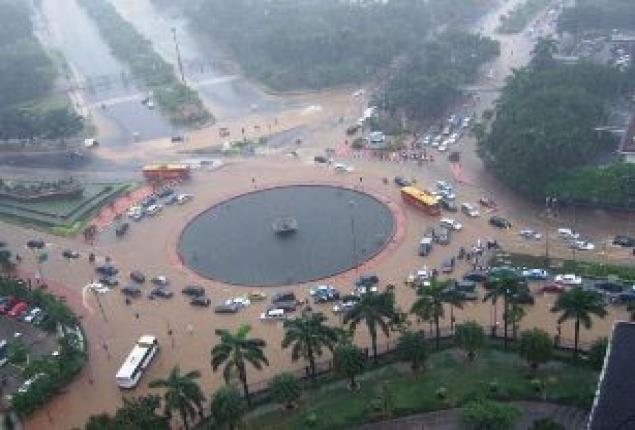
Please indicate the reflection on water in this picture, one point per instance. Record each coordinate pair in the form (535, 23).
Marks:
(337, 229)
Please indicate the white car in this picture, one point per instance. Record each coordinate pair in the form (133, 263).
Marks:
(443, 185)
(133, 210)
(153, 209)
(359, 291)
(451, 224)
(241, 302)
(339, 167)
(443, 147)
(530, 234)
(32, 315)
(582, 245)
(451, 141)
(535, 274)
(184, 198)
(470, 210)
(273, 314)
(569, 234)
(568, 279)
(427, 140)
(454, 136)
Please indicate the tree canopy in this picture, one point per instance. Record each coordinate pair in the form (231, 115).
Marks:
(319, 43)
(597, 14)
(546, 117)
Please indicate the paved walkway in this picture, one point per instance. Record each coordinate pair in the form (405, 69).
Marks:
(450, 419)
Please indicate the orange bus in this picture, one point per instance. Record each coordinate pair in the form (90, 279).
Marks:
(423, 200)
(166, 171)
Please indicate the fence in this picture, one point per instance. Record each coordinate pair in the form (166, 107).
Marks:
(259, 391)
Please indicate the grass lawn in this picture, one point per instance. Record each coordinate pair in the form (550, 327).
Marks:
(336, 407)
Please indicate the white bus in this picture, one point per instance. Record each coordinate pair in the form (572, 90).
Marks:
(137, 361)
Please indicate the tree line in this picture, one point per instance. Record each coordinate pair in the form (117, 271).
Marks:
(598, 15)
(431, 80)
(545, 120)
(311, 44)
(308, 336)
(27, 76)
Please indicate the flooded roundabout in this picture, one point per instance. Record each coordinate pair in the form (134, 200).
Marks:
(286, 235)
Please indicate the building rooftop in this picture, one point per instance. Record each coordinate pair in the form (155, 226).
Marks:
(614, 405)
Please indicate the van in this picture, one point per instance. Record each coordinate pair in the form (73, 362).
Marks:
(286, 296)
(442, 235)
(425, 246)
(446, 131)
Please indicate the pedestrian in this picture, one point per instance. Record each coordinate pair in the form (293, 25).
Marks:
(452, 261)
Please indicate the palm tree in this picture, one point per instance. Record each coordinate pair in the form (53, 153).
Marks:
(348, 360)
(455, 299)
(308, 334)
(429, 306)
(579, 305)
(536, 347)
(375, 310)
(182, 394)
(470, 337)
(235, 349)
(505, 284)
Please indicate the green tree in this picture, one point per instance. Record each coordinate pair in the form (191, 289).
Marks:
(514, 316)
(17, 353)
(227, 407)
(470, 337)
(579, 306)
(349, 361)
(182, 394)
(376, 311)
(235, 350)
(546, 424)
(543, 52)
(536, 347)
(285, 388)
(308, 335)
(505, 285)
(136, 413)
(429, 305)
(598, 352)
(411, 347)
(489, 415)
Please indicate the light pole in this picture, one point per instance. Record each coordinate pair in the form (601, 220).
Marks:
(178, 55)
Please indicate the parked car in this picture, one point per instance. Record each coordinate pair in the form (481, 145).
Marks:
(425, 246)
(256, 296)
(609, 286)
(624, 241)
(447, 266)
(18, 309)
(225, 308)
(568, 279)
(469, 210)
(469, 295)
(170, 200)
(568, 234)
(320, 159)
(165, 192)
(523, 296)
(193, 291)
(131, 291)
(32, 315)
(137, 276)
(35, 244)
(285, 296)
(274, 314)
(161, 292)
(184, 198)
(324, 294)
(582, 245)
(401, 181)
(530, 234)
(201, 301)
(69, 253)
(551, 287)
(8, 304)
(465, 286)
(500, 222)
(107, 270)
(109, 281)
(535, 274)
(448, 205)
(367, 280)
(626, 297)
(442, 236)
(475, 276)
(160, 281)
(451, 224)
(153, 209)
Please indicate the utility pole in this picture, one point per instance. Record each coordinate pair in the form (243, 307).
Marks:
(178, 56)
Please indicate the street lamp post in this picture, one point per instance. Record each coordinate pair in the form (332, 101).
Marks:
(178, 55)
(353, 235)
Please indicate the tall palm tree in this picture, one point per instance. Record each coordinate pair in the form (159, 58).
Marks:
(375, 310)
(236, 350)
(504, 284)
(429, 305)
(308, 334)
(579, 305)
(182, 394)
(455, 299)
